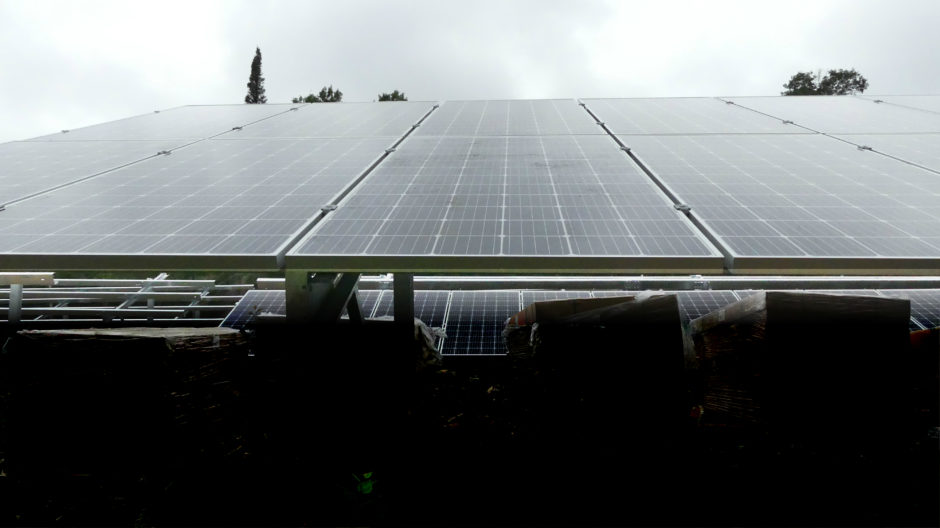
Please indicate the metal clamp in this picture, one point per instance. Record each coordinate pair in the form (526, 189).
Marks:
(164, 152)
(236, 128)
(390, 150)
(729, 102)
(601, 123)
(65, 131)
(787, 122)
(416, 125)
(625, 148)
(156, 111)
(864, 147)
(682, 207)
(328, 207)
(581, 103)
(878, 101)
(436, 106)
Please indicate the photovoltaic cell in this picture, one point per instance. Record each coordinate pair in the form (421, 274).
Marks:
(430, 306)
(922, 149)
(531, 296)
(216, 197)
(386, 119)
(930, 103)
(509, 118)
(683, 115)
(367, 302)
(842, 114)
(510, 196)
(799, 195)
(695, 304)
(253, 303)
(925, 306)
(476, 320)
(29, 167)
(185, 122)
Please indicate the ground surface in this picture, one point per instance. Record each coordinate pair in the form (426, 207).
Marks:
(309, 438)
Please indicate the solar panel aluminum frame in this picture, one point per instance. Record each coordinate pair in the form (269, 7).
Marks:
(800, 265)
(506, 264)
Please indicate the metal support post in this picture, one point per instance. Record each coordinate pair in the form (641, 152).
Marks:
(353, 309)
(16, 303)
(320, 297)
(404, 295)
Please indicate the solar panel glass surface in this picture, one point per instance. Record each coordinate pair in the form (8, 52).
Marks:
(509, 118)
(328, 120)
(925, 306)
(930, 103)
(476, 320)
(253, 303)
(185, 122)
(799, 195)
(507, 196)
(683, 115)
(217, 197)
(30, 167)
(842, 114)
(921, 149)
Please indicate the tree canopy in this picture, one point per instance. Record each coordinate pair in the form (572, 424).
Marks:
(836, 82)
(326, 95)
(394, 96)
(256, 82)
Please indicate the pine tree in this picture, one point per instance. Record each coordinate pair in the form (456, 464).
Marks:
(256, 82)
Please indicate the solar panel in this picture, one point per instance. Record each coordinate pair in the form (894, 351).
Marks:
(801, 196)
(553, 196)
(921, 149)
(683, 115)
(327, 120)
(430, 306)
(842, 114)
(182, 123)
(253, 303)
(531, 296)
(695, 304)
(925, 306)
(476, 320)
(509, 118)
(930, 103)
(30, 167)
(200, 205)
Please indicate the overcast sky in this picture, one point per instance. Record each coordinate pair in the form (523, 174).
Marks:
(67, 64)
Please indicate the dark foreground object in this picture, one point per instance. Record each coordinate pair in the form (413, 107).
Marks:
(334, 427)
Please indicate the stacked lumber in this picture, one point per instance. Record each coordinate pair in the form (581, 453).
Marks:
(804, 361)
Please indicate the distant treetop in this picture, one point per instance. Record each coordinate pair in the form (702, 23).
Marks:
(394, 96)
(326, 95)
(256, 82)
(836, 82)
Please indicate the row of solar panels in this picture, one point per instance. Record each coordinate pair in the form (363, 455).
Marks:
(474, 320)
(768, 185)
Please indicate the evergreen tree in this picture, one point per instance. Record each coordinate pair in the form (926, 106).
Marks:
(836, 82)
(326, 95)
(394, 96)
(256, 82)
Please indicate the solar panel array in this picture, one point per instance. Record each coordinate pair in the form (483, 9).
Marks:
(799, 195)
(474, 320)
(774, 184)
(509, 180)
(211, 192)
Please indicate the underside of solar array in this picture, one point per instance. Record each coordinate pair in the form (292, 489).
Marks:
(740, 185)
